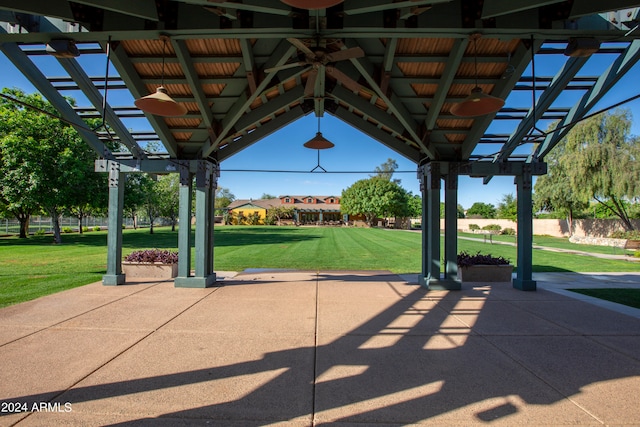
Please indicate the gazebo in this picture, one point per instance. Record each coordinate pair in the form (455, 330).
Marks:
(424, 78)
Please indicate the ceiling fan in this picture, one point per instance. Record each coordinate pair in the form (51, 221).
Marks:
(318, 61)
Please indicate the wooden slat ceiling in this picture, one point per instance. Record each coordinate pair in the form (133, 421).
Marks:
(419, 60)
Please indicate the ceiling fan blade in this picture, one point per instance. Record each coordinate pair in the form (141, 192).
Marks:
(310, 87)
(302, 47)
(284, 67)
(340, 55)
(346, 81)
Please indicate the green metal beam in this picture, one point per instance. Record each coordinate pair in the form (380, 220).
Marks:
(35, 76)
(548, 97)
(129, 75)
(378, 134)
(259, 133)
(520, 61)
(493, 8)
(182, 52)
(280, 56)
(145, 9)
(445, 81)
(397, 108)
(606, 81)
(93, 95)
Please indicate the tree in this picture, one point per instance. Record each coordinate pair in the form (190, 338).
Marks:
(151, 199)
(482, 210)
(598, 161)
(508, 207)
(133, 196)
(459, 210)
(386, 170)
(44, 160)
(415, 206)
(375, 198)
(266, 196)
(224, 197)
(19, 193)
(277, 213)
(168, 192)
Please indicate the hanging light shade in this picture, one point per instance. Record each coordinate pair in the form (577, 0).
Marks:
(311, 4)
(161, 104)
(319, 142)
(477, 104)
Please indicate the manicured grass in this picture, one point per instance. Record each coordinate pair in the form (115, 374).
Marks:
(554, 242)
(36, 267)
(630, 297)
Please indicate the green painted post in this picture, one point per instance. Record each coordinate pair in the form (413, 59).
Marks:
(184, 229)
(424, 276)
(114, 274)
(433, 221)
(204, 276)
(523, 280)
(451, 226)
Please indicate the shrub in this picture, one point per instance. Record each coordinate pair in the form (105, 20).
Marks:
(636, 254)
(97, 228)
(39, 232)
(508, 231)
(474, 227)
(85, 228)
(153, 255)
(631, 235)
(466, 260)
(492, 227)
(67, 230)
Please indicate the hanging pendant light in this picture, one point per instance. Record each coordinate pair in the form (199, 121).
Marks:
(477, 103)
(319, 142)
(311, 4)
(160, 103)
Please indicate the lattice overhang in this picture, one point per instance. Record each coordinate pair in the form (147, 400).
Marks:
(233, 65)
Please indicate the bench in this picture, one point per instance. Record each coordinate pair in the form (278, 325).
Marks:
(632, 244)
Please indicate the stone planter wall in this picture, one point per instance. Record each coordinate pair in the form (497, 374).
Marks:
(147, 270)
(486, 273)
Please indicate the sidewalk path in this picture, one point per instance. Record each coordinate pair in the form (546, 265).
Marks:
(305, 348)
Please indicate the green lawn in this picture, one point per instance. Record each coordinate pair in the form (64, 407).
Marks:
(554, 242)
(630, 297)
(35, 267)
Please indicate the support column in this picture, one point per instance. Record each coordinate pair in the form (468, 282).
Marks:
(184, 229)
(451, 228)
(114, 274)
(430, 186)
(523, 280)
(205, 187)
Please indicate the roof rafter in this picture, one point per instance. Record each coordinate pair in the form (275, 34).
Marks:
(610, 77)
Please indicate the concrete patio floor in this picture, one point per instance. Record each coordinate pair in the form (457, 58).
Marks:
(307, 348)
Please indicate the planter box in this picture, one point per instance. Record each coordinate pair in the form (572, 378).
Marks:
(148, 270)
(486, 273)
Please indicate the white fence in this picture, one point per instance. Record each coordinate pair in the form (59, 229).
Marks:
(12, 226)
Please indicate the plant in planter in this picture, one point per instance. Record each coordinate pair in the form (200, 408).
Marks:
(152, 263)
(483, 268)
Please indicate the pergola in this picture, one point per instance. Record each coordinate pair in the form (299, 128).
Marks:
(399, 71)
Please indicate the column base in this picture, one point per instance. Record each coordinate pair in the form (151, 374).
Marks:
(113, 279)
(524, 285)
(195, 282)
(439, 284)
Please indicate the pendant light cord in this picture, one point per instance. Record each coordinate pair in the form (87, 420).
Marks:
(475, 56)
(164, 48)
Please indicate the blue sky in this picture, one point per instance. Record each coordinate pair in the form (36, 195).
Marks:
(353, 150)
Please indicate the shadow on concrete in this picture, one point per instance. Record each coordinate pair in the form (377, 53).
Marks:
(426, 368)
